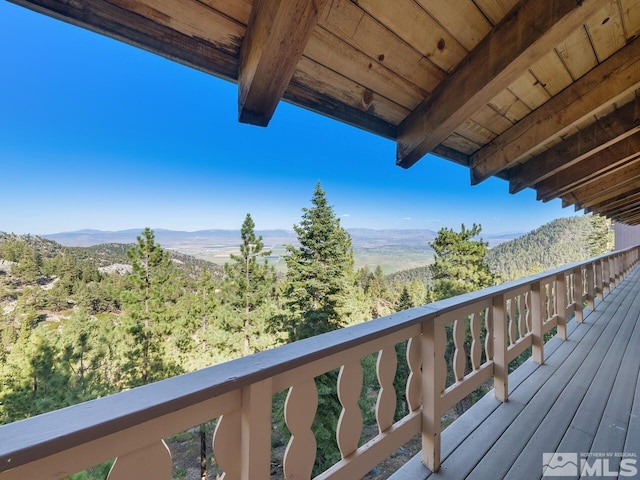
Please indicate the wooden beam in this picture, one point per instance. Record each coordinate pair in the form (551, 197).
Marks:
(525, 35)
(616, 156)
(607, 130)
(605, 84)
(605, 187)
(276, 36)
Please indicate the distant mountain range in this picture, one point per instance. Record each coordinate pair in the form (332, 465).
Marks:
(361, 237)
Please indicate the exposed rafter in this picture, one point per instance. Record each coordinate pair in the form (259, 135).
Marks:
(525, 35)
(609, 159)
(605, 187)
(612, 128)
(616, 77)
(276, 35)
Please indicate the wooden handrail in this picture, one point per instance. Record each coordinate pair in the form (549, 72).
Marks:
(62, 442)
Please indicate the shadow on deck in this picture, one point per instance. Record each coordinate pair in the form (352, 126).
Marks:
(585, 399)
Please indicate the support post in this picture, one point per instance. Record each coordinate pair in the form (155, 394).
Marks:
(500, 364)
(591, 303)
(537, 348)
(561, 305)
(432, 385)
(577, 295)
(255, 448)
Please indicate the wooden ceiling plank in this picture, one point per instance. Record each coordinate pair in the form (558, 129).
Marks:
(528, 89)
(356, 27)
(328, 50)
(551, 73)
(410, 22)
(461, 18)
(598, 136)
(616, 156)
(330, 84)
(606, 30)
(490, 119)
(276, 35)
(576, 53)
(217, 58)
(631, 17)
(524, 36)
(495, 10)
(605, 84)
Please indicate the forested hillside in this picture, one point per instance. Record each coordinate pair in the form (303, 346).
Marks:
(556, 243)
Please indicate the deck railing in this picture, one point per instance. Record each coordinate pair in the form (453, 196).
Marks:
(496, 325)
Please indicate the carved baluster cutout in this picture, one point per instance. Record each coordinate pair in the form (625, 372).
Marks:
(512, 321)
(152, 461)
(527, 301)
(414, 383)
(476, 346)
(227, 444)
(350, 422)
(488, 341)
(521, 317)
(459, 356)
(440, 335)
(386, 403)
(299, 412)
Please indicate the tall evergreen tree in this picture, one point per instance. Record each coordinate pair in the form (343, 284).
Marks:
(146, 303)
(320, 281)
(460, 265)
(250, 287)
(319, 294)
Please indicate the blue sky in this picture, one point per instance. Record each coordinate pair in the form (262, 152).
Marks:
(97, 134)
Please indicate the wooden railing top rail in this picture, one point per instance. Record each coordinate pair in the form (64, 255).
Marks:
(28, 440)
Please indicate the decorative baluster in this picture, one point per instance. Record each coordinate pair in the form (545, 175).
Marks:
(386, 403)
(299, 412)
(512, 321)
(414, 382)
(521, 317)
(476, 350)
(350, 422)
(227, 444)
(459, 356)
(152, 461)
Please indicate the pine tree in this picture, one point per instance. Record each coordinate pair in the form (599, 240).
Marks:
(459, 262)
(250, 285)
(320, 283)
(147, 304)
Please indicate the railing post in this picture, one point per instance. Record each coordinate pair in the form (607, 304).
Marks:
(537, 348)
(577, 296)
(591, 303)
(500, 365)
(432, 386)
(561, 305)
(599, 284)
(606, 276)
(255, 449)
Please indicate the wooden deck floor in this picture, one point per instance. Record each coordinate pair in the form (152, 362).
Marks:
(584, 399)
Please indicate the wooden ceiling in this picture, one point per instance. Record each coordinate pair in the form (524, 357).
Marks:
(542, 93)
